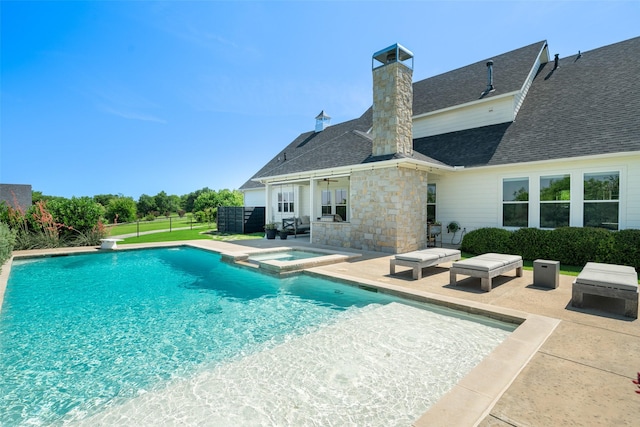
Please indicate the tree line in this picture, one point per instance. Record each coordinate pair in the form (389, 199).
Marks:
(53, 221)
(118, 208)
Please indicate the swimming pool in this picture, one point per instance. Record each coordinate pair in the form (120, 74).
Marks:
(135, 334)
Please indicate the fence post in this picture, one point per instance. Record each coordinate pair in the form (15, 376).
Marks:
(170, 225)
(138, 227)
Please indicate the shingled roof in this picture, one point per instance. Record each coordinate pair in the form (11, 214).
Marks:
(588, 106)
(466, 84)
(338, 145)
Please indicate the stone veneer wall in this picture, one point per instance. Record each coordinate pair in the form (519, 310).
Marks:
(388, 213)
(392, 109)
(12, 193)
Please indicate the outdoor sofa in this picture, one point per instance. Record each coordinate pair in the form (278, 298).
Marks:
(608, 280)
(486, 267)
(299, 225)
(423, 258)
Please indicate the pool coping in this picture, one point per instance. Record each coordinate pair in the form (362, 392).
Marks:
(472, 398)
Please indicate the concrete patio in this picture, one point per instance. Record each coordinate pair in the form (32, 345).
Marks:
(581, 375)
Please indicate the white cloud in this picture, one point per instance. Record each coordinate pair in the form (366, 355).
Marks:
(131, 115)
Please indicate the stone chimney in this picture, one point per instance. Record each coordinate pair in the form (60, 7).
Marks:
(392, 101)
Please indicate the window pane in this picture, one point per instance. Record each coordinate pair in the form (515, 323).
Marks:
(602, 186)
(431, 193)
(553, 215)
(603, 215)
(555, 188)
(326, 197)
(431, 213)
(342, 211)
(515, 190)
(515, 215)
(326, 210)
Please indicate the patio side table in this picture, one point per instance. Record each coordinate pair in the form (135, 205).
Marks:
(546, 273)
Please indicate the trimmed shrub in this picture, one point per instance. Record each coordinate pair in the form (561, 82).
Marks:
(485, 240)
(625, 248)
(569, 245)
(579, 245)
(531, 243)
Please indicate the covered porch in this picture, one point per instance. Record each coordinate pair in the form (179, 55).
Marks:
(297, 204)
(380, 206)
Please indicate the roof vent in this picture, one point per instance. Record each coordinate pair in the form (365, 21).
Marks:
(555, 61)
(490, 87)
(322, 121)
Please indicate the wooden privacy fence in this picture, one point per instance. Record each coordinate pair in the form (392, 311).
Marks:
(241, 219)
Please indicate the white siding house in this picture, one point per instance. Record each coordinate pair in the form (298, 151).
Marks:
(515, 140)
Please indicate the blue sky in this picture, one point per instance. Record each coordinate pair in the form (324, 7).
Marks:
(133, 97)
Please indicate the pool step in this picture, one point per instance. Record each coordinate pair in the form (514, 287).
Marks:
(375, 366)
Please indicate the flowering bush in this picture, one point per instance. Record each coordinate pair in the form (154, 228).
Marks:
(38, 228)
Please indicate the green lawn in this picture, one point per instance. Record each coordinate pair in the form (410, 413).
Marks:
(195, 234)
(158, 224)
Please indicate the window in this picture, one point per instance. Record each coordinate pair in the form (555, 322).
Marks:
(555, 197)
(341, 203)
(601, 195)
(515, 202)
(431, 203)
(326, 202)
(285, 201)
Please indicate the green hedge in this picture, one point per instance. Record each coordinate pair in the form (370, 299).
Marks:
(486, 240)
(569, 245)
(7, 240)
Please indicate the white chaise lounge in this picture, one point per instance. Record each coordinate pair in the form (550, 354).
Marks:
(608, 280)
(486, 267)
(423, 258)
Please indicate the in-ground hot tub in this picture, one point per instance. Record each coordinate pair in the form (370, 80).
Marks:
(287, 259)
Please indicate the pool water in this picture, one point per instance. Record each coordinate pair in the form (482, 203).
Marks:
(86, 338)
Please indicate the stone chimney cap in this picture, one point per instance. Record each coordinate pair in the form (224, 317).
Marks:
(393, 53)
